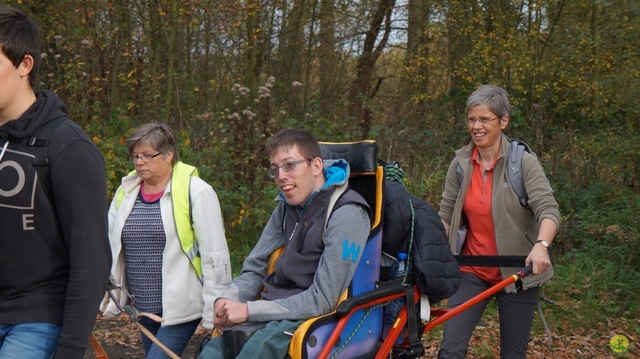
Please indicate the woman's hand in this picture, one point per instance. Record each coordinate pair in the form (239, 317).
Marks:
(539, 257)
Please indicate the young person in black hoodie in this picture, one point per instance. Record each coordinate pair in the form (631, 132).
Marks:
(54, 247)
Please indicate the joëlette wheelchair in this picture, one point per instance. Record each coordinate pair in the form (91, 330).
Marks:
(354, 329)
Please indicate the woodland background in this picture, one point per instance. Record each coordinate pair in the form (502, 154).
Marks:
(226, 75)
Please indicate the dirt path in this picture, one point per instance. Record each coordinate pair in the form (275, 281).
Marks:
(121, 340)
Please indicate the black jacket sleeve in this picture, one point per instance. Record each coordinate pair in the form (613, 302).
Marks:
(79, 186)
(436, 271)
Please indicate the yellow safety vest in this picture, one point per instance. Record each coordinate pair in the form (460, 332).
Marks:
(180, 183)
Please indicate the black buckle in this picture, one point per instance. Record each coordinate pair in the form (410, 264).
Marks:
(416, 348)
(518, 284)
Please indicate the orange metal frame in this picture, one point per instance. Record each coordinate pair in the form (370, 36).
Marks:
(440, 315)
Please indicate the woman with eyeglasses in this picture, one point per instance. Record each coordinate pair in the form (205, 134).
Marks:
(484, 218)
(168, 243)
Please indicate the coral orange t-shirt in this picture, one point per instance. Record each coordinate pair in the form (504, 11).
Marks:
(480, 230)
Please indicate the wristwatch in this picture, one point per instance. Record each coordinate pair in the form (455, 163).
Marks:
(544, 243)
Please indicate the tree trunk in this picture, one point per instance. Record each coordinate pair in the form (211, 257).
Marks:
(327, 56)
(361, 89)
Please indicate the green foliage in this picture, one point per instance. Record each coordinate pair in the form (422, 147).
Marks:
(117, 161)
(597, 283)
(596, 182)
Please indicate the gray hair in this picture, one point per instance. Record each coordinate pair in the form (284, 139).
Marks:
(494, 97)
(157, 135)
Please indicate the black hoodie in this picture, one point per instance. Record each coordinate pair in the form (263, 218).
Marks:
(54, 250)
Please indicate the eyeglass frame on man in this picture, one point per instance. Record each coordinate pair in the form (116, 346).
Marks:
(483, 120)
(272, 172)
(144, 158)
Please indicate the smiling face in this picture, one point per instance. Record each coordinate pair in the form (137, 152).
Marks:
(486, 135)
(299, 183)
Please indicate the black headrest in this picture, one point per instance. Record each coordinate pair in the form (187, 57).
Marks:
(362, 156)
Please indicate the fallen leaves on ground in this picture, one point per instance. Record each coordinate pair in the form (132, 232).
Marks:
(121, 339)
(581, 343)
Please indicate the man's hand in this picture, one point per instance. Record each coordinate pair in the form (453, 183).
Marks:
(227, 312)
(539, 257)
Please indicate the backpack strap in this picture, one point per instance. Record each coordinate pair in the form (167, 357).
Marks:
(40, 140)
(42, 164)
(416, 349)
(514, 169)
(332, 202)
(460, 174)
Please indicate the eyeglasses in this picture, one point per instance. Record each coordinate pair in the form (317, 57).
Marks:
(483, 120)
(144, 158)
(287, 166)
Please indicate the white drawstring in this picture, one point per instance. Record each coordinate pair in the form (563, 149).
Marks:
(4, 148)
